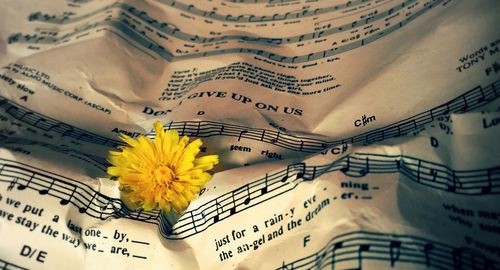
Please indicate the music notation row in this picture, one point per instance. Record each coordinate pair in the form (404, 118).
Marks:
(434, 175)
(303, 13)
(5, 265)
(173, 31)
(350, 250)
(97, 161)
(20, 176)
(97, 205)
(191, 9)
(470, 100)
(140, 38)
(49, 124)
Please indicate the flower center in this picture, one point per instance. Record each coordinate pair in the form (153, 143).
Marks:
(163, 175)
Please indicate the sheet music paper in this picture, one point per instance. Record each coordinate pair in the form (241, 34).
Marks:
(352, 134)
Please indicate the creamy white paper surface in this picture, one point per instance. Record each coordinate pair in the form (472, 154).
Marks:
(352, 134)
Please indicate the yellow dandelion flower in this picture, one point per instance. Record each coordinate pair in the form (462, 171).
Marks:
(164, 174)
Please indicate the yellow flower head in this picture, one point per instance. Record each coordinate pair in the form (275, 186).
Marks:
(163, 174)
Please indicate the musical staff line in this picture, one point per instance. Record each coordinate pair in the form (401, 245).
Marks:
(146, 42)
(470, 100)
(68, 191)
(96, 161)
(66, 18)
(173, 31)
(437, 176)
(271, 1)
(257, 19)
(433, 175)
(352, 248)
(49, 124)
(10, 266)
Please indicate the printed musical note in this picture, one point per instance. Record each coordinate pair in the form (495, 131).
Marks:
(394, 255)
(83, 209)
(362, 248)
(454, 183)
(264, 189)
(487, 189)
(336, 246)
(427, 250)
(434, 174)
(364, 171)
(247, 199)
(285, 178)
(302, 172)
(217, 211)
(346, 168)
(419, 167)
(23, 187)
(319, 260)
(67, 200)
(275, 140)
(232, 210)
(465, 106)
(343, 249)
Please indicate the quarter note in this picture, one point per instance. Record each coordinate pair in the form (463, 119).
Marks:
(453, 186)
(419, 166)
(427, 250)
(264, 189)
(337, 245)
(366, 169)
(232, 211)
(286, 176)
(275, 140)
(217, 205)
(184, 129)
(487, 189)
(83, 209)
(247, 199)
(398, 164)
(394, 255)
(447, 110)
(303, 170)
(362, 248)
(46, 191)
(23, 187)
(347, 167)
(319, 260)
(482, 98)
(434, 174)
(66, 201)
